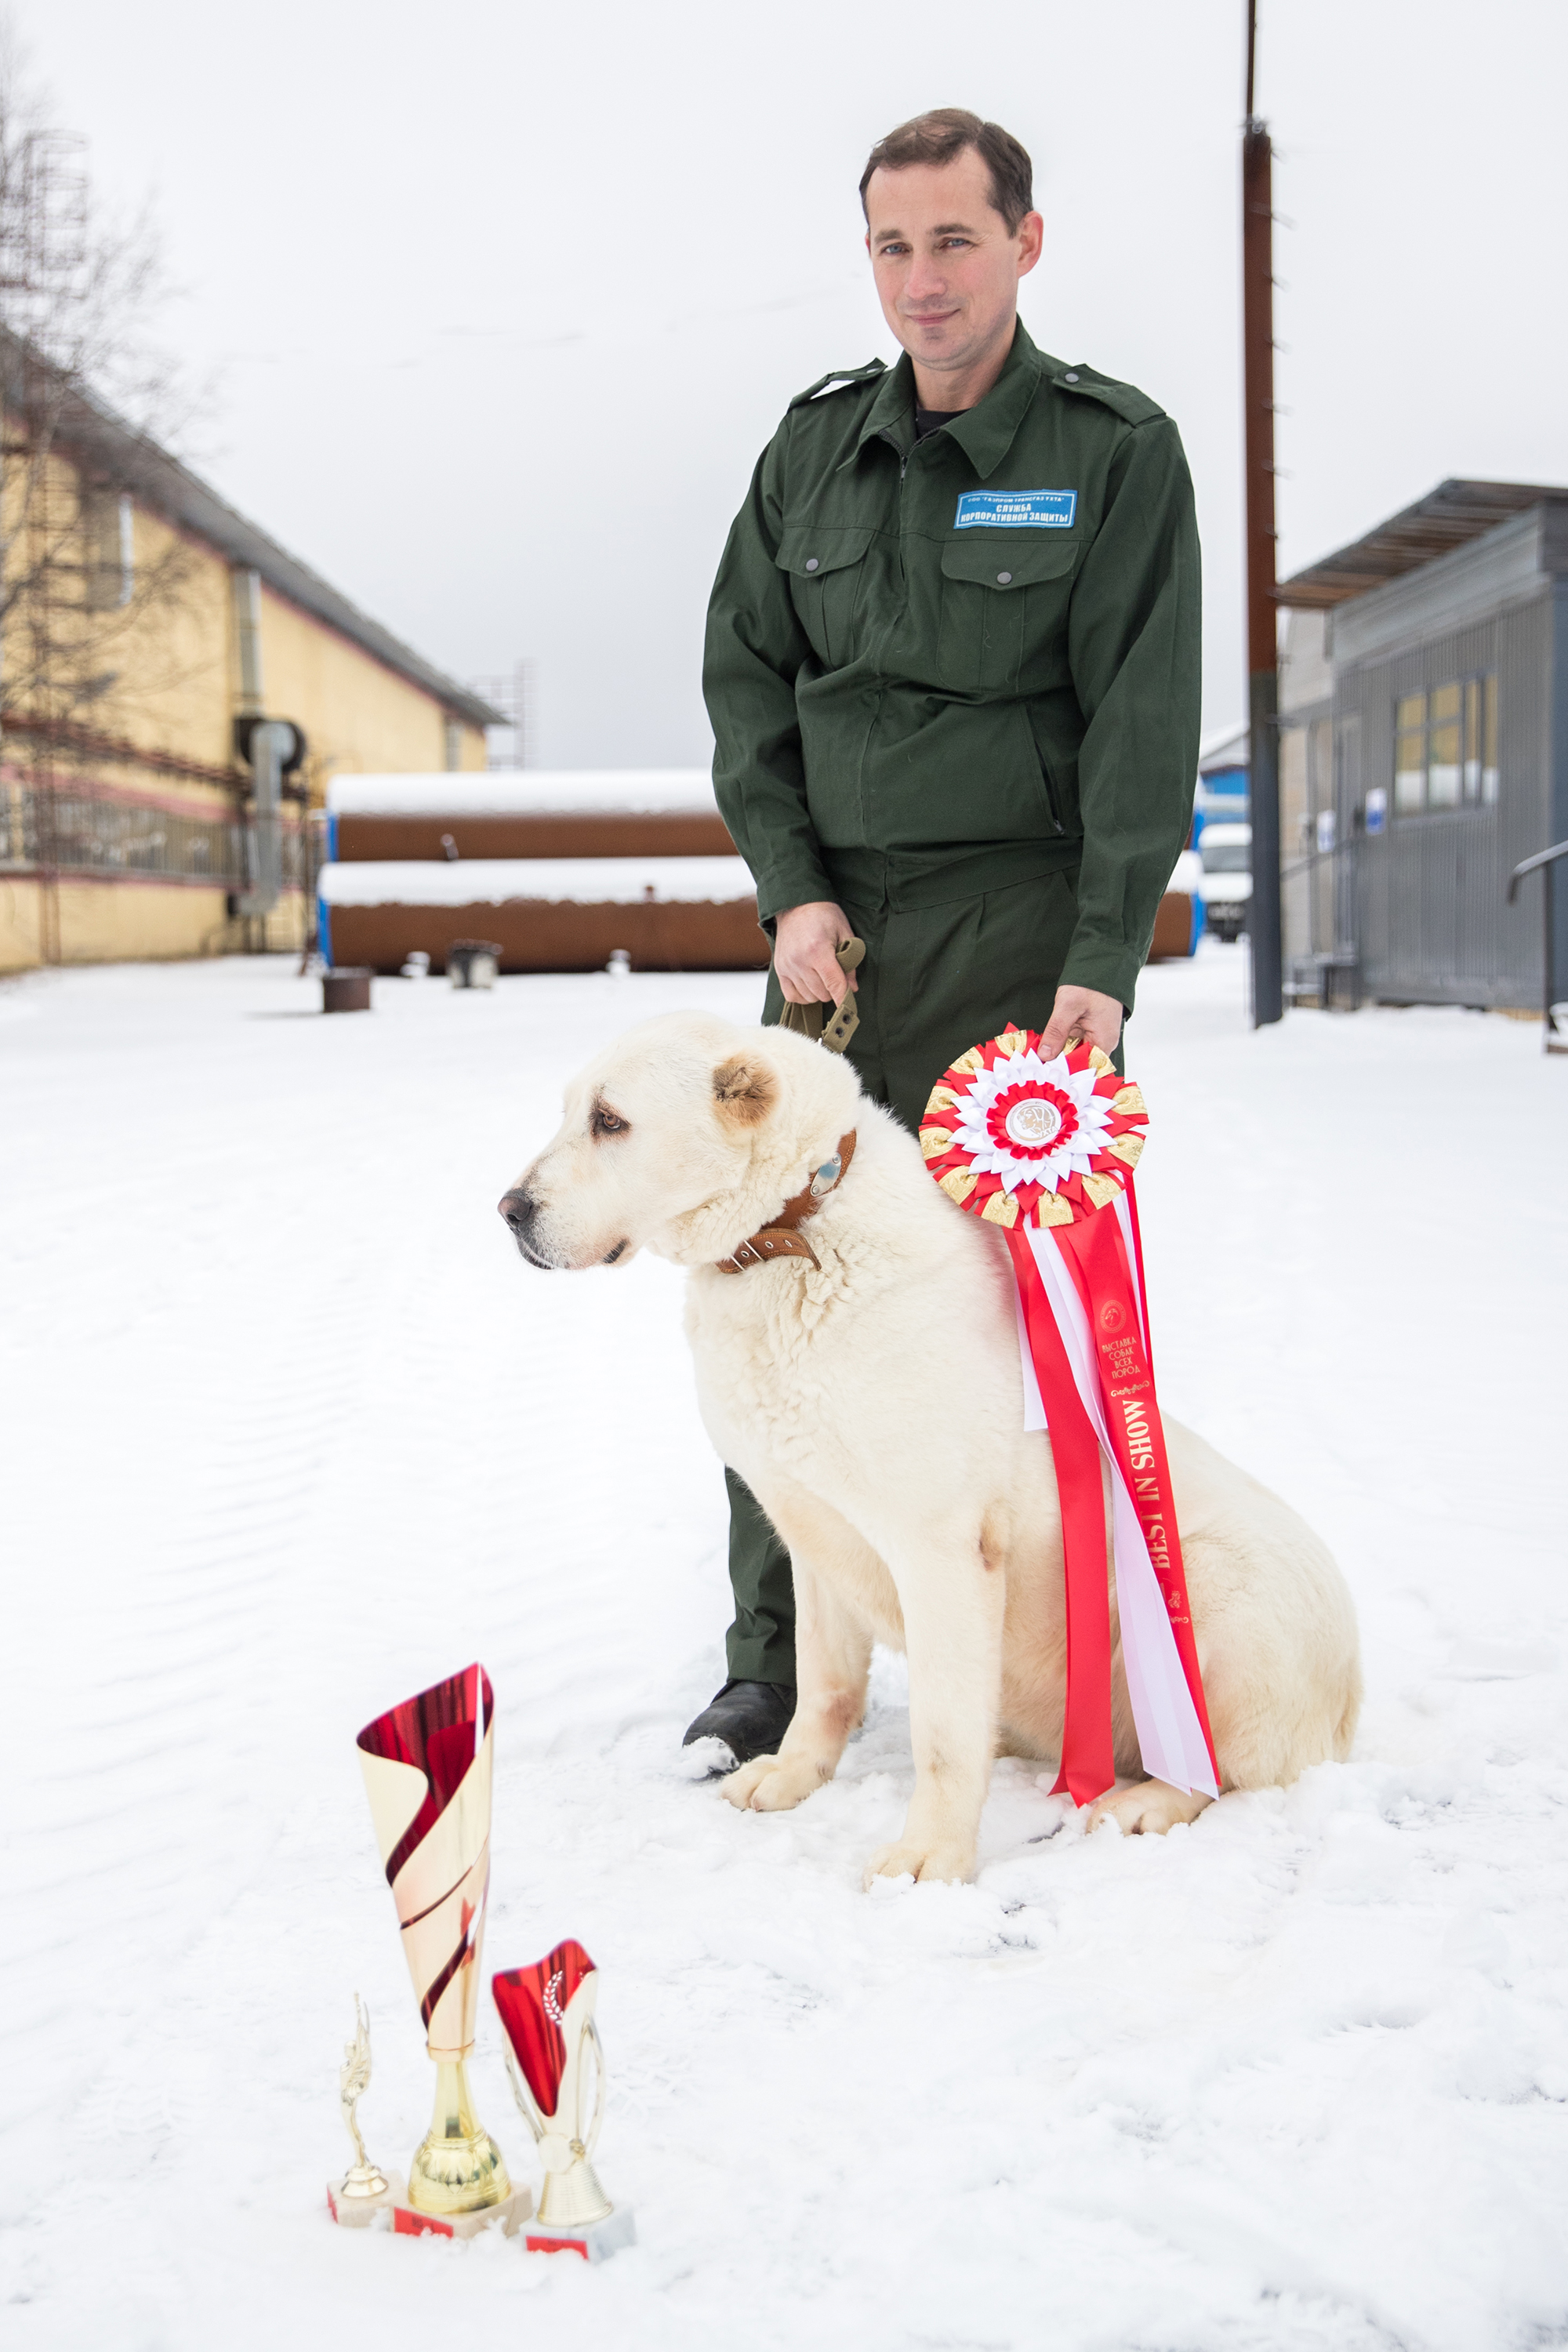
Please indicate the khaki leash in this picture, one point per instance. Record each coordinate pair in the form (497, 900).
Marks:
(809, 1021)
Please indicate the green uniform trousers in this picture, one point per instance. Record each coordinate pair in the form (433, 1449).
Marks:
(941, 974)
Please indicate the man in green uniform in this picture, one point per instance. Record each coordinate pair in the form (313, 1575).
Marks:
(953, 671)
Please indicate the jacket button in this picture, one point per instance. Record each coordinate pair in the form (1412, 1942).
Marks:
(1003, 579)
(1071, 376)
(811, 563)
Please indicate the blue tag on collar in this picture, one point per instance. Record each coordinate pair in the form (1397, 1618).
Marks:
(1017, 510)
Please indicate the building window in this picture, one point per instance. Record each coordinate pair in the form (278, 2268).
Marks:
(127, 550)
(1481, 739)
(1445, 747)
(1410, 755)
(453, 735)
(108, 535)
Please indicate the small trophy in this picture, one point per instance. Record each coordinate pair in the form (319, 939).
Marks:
(427, 1766)
(547, 2011)
(364, 2189)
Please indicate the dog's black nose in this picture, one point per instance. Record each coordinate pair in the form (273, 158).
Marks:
(518, 1209)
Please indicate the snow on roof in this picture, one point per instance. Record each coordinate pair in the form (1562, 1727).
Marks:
(555, 881)
(519, 792)
(1229, 749)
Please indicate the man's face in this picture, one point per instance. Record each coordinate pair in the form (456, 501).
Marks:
(947, 268)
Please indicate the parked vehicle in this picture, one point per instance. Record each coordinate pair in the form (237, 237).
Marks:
(1227, 853)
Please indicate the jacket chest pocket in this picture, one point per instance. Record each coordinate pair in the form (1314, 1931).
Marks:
(827, 570)
(1001, 595)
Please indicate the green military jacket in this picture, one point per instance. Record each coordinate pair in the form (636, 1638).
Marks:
(978, 653)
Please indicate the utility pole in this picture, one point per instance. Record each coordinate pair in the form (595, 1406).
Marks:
(1262, 628)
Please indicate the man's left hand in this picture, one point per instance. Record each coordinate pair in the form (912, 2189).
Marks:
(1082, 1013)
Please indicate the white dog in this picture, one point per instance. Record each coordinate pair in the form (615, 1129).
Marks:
(873, 1402)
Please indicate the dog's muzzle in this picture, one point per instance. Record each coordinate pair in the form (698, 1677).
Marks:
(520, 1213)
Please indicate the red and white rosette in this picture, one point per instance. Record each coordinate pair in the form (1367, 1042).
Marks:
(1044, 1151)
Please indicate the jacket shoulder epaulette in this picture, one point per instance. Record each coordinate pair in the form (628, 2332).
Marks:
(838, 378)
(1124, 400)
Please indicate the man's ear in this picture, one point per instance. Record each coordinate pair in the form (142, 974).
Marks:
(745, 1089)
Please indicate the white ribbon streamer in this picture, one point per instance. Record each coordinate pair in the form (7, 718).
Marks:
(1170, 1736)
(1034, 1403)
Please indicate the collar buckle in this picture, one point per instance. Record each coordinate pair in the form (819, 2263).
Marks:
(783, 1238)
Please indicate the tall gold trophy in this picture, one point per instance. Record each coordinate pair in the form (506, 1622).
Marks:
(428, 1765)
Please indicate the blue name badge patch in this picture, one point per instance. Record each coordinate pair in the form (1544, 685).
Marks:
(1017, 510)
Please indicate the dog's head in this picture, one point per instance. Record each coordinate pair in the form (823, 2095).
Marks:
(683, 1136)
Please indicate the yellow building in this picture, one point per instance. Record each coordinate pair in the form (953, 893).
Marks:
(178, 690)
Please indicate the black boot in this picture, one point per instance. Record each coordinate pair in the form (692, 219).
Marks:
(750, 1718)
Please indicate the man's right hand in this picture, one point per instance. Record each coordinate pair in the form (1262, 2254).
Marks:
(805, 944)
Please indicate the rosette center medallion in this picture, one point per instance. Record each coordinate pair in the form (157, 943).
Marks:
(1033, 1119)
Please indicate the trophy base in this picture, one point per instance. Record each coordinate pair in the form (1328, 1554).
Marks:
(405, 2221)
(594, 2240)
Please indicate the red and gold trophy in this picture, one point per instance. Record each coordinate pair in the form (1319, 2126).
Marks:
(427, 1766)
(547, 2012)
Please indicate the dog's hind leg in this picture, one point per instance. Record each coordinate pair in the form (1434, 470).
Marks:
(832, 1658)
(953, 1631)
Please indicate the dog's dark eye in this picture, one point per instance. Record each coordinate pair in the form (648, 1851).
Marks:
(607, 1122)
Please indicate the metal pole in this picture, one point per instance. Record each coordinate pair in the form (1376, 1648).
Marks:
(1262, 634)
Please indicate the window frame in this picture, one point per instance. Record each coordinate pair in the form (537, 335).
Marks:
(1472, 778)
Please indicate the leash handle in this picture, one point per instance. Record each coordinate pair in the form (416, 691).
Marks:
(811, 1019)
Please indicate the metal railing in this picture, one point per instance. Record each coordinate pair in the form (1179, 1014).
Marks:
(68, 830)
(1544, 859)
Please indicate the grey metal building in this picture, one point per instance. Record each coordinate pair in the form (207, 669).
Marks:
(1423, 751)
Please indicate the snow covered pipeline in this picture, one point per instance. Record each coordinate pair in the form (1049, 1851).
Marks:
(561, 870)
(539, 881)
(527, 791)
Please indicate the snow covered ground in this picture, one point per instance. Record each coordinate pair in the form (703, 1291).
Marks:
(288, 1432)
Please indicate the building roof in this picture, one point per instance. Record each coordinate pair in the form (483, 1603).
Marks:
(128, 460)
(1448, 517)
(1229, 749)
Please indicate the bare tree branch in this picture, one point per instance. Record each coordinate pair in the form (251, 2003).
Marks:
(87, 402)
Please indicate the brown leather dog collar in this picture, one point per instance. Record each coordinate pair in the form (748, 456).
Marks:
(783, 1238)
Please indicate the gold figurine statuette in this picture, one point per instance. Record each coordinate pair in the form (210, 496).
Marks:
(353, 2080)
(366, 2192)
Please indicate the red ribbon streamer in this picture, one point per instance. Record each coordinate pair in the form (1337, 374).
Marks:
(1097, 1256)
(1088, 1758)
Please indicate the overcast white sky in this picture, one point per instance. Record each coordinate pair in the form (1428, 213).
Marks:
(503, 300)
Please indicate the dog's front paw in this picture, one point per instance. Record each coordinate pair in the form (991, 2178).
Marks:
(912, 1860)
(1148, 1808)
(771, 1784)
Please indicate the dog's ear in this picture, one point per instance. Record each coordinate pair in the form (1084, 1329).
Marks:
(745, 1089)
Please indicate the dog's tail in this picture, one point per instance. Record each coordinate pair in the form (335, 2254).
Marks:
(1344, 1731)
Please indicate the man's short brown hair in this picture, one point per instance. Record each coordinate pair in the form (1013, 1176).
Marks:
(944, 133)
